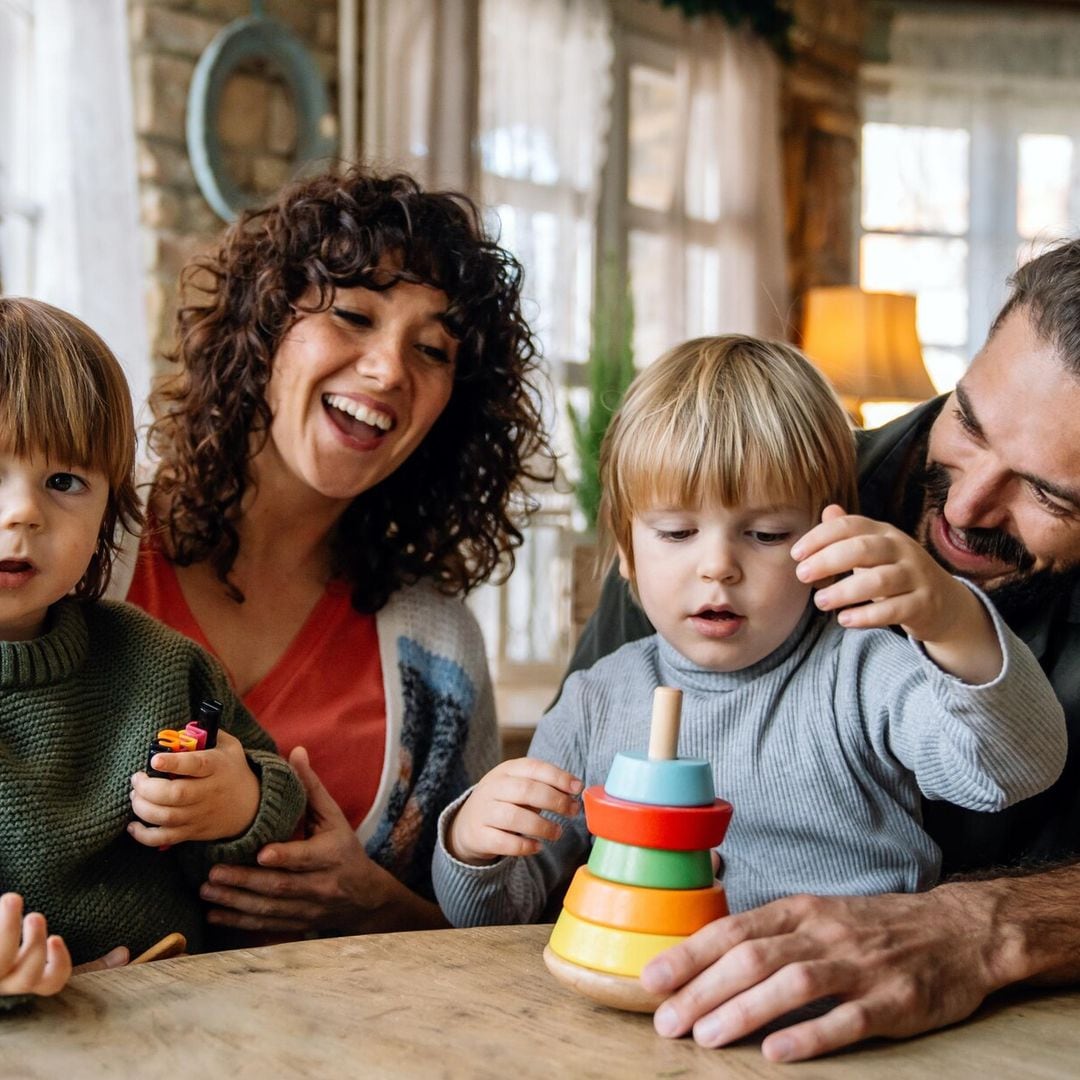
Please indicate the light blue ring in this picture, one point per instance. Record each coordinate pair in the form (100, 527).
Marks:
(254, 37)
(678, 782)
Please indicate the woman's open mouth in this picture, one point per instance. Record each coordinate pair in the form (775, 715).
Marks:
(358, 421)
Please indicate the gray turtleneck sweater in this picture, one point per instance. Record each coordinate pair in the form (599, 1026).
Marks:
(822, 748)
(79, 707)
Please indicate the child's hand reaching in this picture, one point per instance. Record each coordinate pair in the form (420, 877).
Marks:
(895, 582)
(31, 962)
(215, 795)
(502, 815)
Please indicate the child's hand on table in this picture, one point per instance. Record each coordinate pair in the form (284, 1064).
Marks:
(502, 815)
(214, 795)
(31, 962)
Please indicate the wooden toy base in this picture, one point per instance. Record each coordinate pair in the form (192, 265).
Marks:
(617, 991)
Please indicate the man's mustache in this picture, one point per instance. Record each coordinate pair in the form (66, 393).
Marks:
(989, 543)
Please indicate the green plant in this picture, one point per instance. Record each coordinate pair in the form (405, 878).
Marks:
(610, 371)
(769, 19)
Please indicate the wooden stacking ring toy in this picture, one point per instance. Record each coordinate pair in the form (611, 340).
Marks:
(680, 782)
(651, 868)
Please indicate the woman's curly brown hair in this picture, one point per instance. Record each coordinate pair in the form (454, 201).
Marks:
(451, 512)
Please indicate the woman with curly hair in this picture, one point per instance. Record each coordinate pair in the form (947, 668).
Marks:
(339, 458)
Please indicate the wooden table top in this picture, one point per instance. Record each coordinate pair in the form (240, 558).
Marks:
(448, 1003)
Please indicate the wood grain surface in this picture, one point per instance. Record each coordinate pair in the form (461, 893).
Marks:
(448, 1003)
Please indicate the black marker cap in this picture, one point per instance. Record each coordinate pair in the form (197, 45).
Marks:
(157, 747)
(209, 719)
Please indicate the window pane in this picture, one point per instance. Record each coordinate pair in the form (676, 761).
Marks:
(702, 291)
(649, 283)
(944, 366)
(934, 269)
(652, 137)
(915, 178)
(1042, 197)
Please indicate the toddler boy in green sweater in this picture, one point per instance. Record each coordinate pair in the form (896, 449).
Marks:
(85, 684)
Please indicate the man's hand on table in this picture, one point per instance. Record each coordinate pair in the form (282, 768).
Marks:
(896, 965)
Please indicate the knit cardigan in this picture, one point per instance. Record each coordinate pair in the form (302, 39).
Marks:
(441, 735)
(79, 707)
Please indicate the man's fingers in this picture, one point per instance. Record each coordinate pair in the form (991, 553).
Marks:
(323, 851)
(236, 886)
(841, 1026)
(260, 924)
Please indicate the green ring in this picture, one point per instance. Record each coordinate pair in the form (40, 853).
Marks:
(254, 37)
(651, 868)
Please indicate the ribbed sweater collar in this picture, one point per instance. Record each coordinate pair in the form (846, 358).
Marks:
(677, 669)
(58, 653)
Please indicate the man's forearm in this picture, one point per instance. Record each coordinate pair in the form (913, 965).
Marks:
(1030, 923)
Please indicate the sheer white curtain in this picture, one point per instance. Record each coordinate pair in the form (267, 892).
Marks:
(420, 73)
(78, 162)
(544, 113)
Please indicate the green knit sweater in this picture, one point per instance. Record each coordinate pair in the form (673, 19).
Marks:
(79, 707)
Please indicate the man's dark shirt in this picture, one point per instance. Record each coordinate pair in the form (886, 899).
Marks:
(1043, 828)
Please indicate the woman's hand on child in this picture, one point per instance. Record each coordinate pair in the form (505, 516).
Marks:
(31, 961)
(502, 814)
(893, 581)
(214, 795)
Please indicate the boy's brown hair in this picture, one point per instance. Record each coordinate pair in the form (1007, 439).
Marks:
(65, 397)
(717, 418)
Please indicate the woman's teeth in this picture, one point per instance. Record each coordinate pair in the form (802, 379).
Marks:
(371, 417)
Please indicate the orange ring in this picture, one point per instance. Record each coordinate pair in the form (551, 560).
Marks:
(649, 911)
(673, 828)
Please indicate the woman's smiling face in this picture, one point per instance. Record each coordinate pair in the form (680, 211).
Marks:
(355, 389)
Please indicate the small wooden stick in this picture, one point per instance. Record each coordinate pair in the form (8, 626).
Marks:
(664, 732)
(170, 945)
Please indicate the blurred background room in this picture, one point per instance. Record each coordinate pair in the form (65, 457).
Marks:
(859, 176)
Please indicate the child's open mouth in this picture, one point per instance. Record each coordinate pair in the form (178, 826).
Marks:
(717, 622)
(15, 572)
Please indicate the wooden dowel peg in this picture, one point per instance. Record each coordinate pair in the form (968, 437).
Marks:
(664, 731)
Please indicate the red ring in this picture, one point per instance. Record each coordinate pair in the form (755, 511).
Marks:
(672, 828)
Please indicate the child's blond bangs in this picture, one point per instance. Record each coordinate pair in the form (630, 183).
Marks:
(722, 421)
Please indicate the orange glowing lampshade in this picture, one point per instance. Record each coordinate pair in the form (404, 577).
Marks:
(866, 344)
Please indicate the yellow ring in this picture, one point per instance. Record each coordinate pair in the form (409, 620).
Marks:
(620, 952)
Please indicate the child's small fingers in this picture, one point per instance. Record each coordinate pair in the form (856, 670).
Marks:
(512, 818)
(150, 836)
(543, 772)
(193, 763)
(161, 792)
(11, 914)
(507, 844)
(25, 973)
(57, 969)
(537, 796)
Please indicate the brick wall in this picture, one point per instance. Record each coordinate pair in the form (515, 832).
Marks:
(256, 124)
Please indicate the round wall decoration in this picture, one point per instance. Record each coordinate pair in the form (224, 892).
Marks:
(254, 38)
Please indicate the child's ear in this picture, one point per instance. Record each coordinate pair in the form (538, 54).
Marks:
(624, 566)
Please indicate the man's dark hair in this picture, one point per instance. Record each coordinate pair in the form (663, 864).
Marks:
(1048, 287)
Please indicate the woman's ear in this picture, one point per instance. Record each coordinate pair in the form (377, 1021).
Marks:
(626, 570)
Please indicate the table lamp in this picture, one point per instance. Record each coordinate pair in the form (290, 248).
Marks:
(866, 344)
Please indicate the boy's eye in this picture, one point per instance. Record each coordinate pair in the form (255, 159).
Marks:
(769, 537)
(65, 481)
(354, 318)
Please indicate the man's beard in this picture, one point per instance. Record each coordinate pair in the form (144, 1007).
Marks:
(1024, 589)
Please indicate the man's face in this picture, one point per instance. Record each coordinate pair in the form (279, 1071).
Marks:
(1003, 465)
